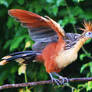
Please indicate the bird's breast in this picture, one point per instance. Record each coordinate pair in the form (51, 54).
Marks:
(66, 57)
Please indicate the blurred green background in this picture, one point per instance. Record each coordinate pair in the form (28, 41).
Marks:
(70, 14)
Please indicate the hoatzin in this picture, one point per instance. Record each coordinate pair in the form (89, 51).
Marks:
(53, 47)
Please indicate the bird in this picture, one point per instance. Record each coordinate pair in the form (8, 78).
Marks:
(53, 47)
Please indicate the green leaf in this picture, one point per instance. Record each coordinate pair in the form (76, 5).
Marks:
(3, 77)
(9, 1)
(61, 23)
(7, 44)
(50, 1)
(78, 1)
(65, 21)
(16, 42)
(10, 22)
(80, 86)
(22, 69)
(90, 66)
(88, 41)
(55, 10)
(83, 67)
(68, 19)
(89, 86)
(4, 2)
(20, 2)
(60, 3)
(24, 90)
(76, 90)
(82, 56)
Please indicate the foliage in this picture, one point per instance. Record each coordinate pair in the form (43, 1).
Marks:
(70, 14)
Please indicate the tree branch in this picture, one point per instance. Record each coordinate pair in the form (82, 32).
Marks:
(42, 83)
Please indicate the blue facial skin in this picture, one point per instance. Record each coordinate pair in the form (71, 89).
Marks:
(88, 34)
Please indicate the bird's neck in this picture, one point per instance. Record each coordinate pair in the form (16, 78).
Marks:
(80, 43)
(66, 57)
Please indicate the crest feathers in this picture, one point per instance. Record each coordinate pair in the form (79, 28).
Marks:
(87, 26)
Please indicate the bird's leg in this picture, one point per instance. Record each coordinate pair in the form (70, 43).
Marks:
(57, 81)
(60, 80)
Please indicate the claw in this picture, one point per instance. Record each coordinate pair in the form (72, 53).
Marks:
(60, 81)
(64, 80)
(57, 81)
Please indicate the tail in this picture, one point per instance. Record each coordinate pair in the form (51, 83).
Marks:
(20, 57)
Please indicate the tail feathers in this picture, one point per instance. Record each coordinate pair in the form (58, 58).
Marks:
(20, 57)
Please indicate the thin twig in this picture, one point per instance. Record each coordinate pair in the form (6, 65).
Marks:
(42, 83)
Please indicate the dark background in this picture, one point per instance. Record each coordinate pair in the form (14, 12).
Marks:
(70, 14)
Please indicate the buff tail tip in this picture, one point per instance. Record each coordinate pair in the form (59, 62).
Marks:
(3, 62)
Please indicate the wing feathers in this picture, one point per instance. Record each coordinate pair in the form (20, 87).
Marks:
(31, 19)
(55, 26)
(42, 30)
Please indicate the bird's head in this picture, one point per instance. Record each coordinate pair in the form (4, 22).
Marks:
(87, 29)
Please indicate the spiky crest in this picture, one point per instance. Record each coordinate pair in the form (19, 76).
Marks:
(87, 26)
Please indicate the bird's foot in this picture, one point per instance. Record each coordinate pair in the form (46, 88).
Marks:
(64, 79)
(60, 80)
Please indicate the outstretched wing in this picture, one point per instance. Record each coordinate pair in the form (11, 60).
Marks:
(42, 30)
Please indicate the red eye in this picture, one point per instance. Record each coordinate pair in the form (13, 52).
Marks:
(89, 33)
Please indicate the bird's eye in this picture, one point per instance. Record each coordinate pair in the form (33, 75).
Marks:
(89, 33)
